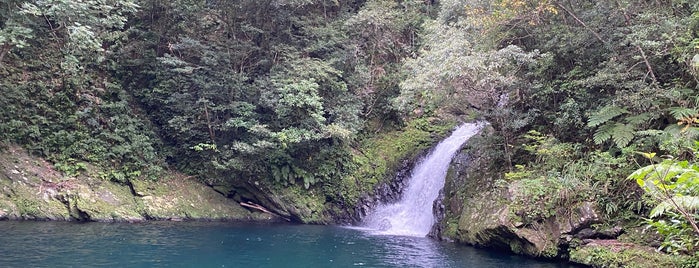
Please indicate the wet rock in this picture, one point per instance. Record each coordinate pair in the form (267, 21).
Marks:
(488, 222)
(582, 216)
(482, 213)
(386, 192)
(610, 233)
(586, 233)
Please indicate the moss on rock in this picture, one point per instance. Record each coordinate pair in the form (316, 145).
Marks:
(612, 253)
(30, 188)
(183, 198)
(483, 210)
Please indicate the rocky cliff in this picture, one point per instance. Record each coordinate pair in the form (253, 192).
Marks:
(483, 210)
(480, 207)
(32, 189)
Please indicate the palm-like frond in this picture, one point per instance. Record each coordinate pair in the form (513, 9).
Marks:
(683, 112)
(605, 114)
(687, 203)
(620, 134)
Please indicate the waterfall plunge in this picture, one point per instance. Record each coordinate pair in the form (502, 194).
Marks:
(412, 215)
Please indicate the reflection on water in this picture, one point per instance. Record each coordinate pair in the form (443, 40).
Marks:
(58, 244)
(403, 251)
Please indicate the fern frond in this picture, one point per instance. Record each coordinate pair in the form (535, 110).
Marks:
(673, 130)
(605, 114)
(622, 134)
(692, 132)
(683, 132)
(638, 119)
(683, 112)
(603, 133)
(687, 203)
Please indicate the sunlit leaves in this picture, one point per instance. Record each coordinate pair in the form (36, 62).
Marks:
(14, 34)
(453, 67)
(674, 183)
(295, 98)
(688, 202)
(674, 186)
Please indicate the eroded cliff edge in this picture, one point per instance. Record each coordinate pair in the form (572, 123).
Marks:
(31, 189)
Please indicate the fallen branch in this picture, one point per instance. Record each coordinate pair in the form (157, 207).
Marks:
(261, 208)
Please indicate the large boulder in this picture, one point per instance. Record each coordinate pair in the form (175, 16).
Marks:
(489, 221)
(482, 209)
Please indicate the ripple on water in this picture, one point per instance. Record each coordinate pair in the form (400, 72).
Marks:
(185, 244)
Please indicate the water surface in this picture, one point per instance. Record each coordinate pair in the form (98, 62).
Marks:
(199, 244)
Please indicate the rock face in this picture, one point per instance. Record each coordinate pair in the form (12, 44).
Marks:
(31, 189)
(483, 211)
(295, 204)
(387, 192)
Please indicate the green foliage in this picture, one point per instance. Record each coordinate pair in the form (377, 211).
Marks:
(678, 236)
(456, 69)
(73, 115)
(381, 34)
(684, 112)
(548, 150)
(86, 27)
(670, 181)
(313, 95)
(605, 114)
(71, 167)
(621, 134)
(600, 256)
(122, 176)
(560, 176)
(538, 199)
(269, 91)
(674, 186)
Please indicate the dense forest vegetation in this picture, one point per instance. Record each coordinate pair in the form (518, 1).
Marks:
(325, 96)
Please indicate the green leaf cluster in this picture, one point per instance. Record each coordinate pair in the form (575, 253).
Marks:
(674, 188)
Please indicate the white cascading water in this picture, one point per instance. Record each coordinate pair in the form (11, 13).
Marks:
(412, 215)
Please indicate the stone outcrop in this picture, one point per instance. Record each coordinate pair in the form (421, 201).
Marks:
(386, 192)
(480, 210)
(31, 189)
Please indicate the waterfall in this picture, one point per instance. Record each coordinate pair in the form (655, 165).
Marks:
(412, 215)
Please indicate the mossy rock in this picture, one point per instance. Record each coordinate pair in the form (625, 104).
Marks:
(497, 213)
(32, 202)
(183, 198)
(612, 253)
(30, 188)
(105, 201)
(299, 204)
